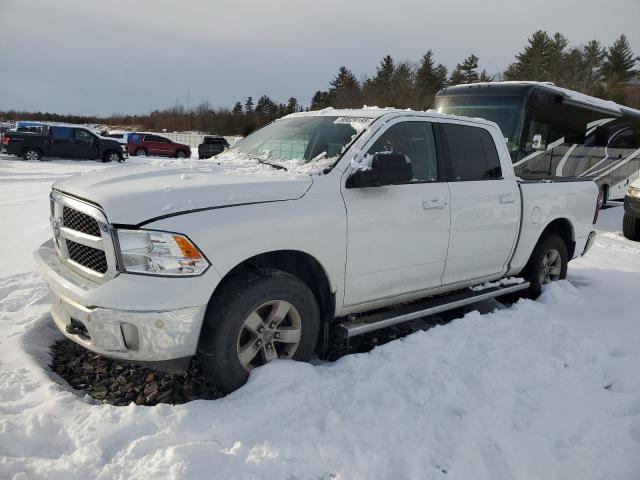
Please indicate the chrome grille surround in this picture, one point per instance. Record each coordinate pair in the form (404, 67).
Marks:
(80, 231)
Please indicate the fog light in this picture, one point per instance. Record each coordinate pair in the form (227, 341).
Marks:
(130, 336)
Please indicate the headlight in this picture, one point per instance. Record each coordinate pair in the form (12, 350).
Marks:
(633, 192)
(160, 253)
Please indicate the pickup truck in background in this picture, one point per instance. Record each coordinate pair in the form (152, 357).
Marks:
(321, 224)
(65, 142)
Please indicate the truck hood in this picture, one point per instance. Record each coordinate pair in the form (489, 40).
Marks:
(132, 195)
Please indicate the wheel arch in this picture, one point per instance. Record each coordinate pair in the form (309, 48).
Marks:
(564, 229)
(24, 149)
(297, 263)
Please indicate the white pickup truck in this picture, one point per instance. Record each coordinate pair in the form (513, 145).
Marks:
(321, 223)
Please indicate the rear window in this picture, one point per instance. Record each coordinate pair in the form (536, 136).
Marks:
(134, 138)
(472, 154)
(61, 133)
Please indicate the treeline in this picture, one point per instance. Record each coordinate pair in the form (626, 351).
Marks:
(606, 72)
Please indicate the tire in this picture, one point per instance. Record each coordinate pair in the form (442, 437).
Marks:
(534, 271)
(604, 191)
(231, 326)
(631, 227)
(111, 156)
(140, 152)
(181, 154)
(32, 154)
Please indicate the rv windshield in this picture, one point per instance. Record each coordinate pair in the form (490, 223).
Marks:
(505, 110)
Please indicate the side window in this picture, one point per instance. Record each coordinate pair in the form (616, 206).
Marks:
(161, 140)
(83, 136)
(624, 139)
(416, 141)
(61, 133)
(472, 154)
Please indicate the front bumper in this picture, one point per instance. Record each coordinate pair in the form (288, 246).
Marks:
(632, 206)
(131, 335)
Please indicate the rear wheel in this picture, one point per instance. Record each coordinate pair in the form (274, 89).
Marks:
(256, 317)
(604, 191)
(548, 263)
(631, 227)
(141, 152)
(32, 154)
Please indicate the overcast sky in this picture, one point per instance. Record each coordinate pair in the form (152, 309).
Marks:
(115, 56)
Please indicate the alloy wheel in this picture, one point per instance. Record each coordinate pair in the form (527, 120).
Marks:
(551, 267)
(273, 330)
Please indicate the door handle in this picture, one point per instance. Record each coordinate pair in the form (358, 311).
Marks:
(433, 203)
(507, 198)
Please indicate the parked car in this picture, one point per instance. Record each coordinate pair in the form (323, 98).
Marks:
(386, 216)
(65, 142)
(141, 144)
(212, 146)
(631, 219)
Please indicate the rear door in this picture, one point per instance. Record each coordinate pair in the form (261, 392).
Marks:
(485, 204)
(398, 234)
(61, 142)
(151, 144)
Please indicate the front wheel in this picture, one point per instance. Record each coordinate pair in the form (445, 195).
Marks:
(112, 157)
(631, 227)
(181, 154)
(548, 263)
(255, 318)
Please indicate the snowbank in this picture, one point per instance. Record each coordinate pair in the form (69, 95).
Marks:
(545, 389)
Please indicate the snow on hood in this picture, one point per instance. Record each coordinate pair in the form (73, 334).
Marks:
(133, 194)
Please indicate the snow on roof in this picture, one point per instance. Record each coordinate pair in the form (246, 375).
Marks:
(377, 112)
(572, 95)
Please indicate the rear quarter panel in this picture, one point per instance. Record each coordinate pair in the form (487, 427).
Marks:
(544, 202)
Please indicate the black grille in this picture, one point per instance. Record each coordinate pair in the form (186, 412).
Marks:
(89, 257)
(81, 222)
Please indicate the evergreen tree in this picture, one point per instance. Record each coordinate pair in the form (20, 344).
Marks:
(619, 63)
(532, 63)
(345, 90)
(556, 57)
(465, 72)
(266, 106)
(485, 77)
(292, 105)
(237, 109)
(429, 79)
(378, 90)
(319, 100)
(403, 86)
(593, 54)
(248, 105)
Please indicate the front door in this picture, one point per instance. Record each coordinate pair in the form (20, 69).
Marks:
(485, 206)
(84, 144)
(398, 234)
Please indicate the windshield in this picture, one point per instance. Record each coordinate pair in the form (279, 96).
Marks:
(505, 110)
(300, 143)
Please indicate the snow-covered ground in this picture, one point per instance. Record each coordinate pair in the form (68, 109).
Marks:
(540, 390)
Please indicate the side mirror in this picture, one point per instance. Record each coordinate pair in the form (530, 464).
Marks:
(386, 169)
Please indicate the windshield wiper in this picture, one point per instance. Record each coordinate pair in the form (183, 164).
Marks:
(274, 165)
